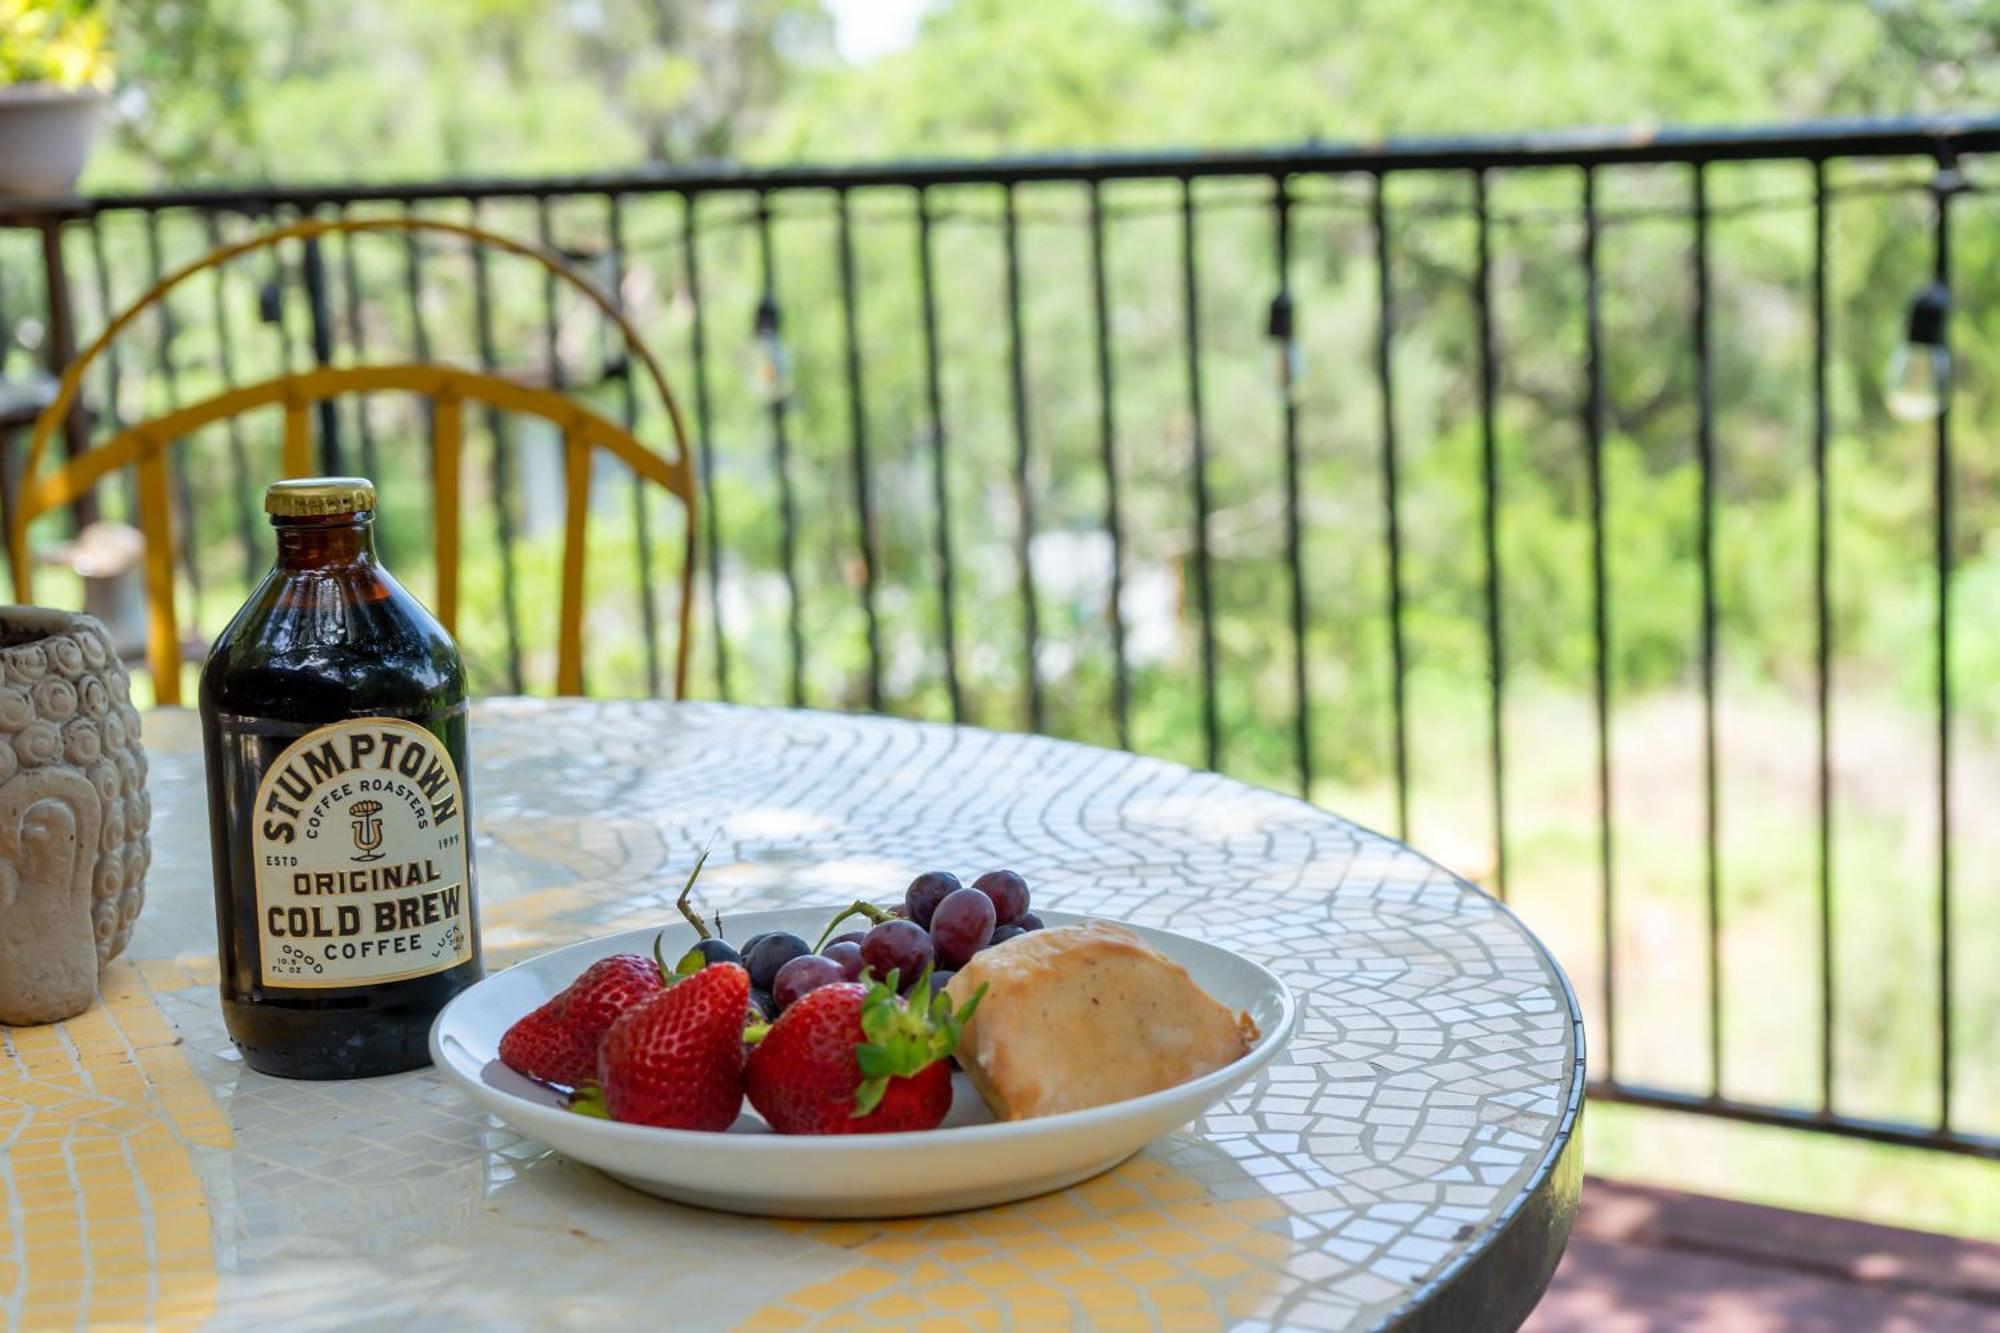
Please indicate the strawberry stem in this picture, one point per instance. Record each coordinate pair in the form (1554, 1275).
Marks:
(589, 1100)
(856, 908)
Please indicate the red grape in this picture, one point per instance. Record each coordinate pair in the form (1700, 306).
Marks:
(1001, 934)
(939, 980)
(898, 946)
(802, 975)
(1009, 893)
(961, 926)
(1027, 921)
(853, 937)
(848, 954)
(926, 891)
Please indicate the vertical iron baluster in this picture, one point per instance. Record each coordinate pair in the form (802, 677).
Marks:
(1947, 183)
(551, 333)
(1705, 461)
(169, 372)
(239, 457)
(768, 324)
(420, 337)
(857, 434)
(1600, 611)
(704, 443)
(59, 348)
(642, 526)
(1023, 490)
(1211, 729)
(322, 347)
(1284, 333)
(1385, 333)
(1489, 462)
(503, 470)
(1107, 437)
(113, 373)
(364, 427)
(277, 284)
(413, 282)
(1823, 641)
(101, 276)
(940, 480)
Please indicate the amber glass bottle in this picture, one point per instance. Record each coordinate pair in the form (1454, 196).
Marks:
(333, 717)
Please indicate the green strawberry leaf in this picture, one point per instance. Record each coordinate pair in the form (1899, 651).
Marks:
(589, 1100)
(903, 1037)
(869, 1095)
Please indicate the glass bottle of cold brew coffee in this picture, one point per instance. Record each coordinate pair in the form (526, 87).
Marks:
(333, 717)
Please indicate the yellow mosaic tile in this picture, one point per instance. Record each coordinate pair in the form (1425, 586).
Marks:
(95, 1138)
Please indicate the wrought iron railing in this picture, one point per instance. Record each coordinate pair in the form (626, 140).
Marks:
(870, 540)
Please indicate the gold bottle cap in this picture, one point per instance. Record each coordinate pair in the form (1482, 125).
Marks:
(313, 497)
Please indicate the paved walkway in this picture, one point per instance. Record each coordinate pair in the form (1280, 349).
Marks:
(1644, 1259)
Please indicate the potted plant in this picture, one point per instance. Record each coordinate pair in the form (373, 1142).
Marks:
(54, 69)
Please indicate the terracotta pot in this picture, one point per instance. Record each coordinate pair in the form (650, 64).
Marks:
(73, 812)
(45, 136)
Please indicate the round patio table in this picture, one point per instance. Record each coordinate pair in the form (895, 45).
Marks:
(1412, 1160)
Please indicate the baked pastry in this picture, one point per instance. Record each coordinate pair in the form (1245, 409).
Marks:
(1078, 1016)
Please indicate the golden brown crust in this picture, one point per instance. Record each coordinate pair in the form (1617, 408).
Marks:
(1078, 1016)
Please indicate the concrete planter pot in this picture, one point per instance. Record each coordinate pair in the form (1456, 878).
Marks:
(73, 812)
(45, 136)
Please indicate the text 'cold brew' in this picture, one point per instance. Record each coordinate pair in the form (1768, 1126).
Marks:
(333, 716)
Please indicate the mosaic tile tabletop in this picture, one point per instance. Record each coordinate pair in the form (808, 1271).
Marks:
(1427, 1104)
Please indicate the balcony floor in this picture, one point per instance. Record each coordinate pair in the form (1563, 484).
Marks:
(1643, 1259)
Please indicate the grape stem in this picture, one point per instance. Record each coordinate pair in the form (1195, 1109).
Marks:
(687, 908)
(856, 908)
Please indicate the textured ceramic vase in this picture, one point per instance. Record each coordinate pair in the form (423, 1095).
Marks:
(73, 812)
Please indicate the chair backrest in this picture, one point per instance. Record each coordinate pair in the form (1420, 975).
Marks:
(144, 445)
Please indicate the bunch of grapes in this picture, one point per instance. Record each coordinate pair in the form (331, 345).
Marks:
(939, 926)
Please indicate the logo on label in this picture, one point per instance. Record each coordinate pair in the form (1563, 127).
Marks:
(367, 830)
(362, 874)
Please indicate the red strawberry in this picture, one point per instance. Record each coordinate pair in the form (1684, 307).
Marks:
(677, 1060)
(557, 1043)
(849, 1059)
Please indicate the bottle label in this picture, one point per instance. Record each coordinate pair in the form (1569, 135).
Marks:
(360, 850)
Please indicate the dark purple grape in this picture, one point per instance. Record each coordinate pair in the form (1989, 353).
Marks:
(709, 951)
(803, 975)
(939, 980)
(763, 1004)
(848, 954)
(1001, 934)
(926, 891)
(899, 946)
(743, 949)
(853, 937)
(1009, 893)
(1028, 921)
(771, 953)
(961, 926)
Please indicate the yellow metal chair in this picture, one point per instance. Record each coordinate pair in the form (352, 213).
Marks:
(144, 446)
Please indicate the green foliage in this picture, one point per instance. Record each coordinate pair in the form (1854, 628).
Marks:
(54, 41)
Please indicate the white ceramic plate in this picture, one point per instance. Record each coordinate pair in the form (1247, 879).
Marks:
(968, 1162)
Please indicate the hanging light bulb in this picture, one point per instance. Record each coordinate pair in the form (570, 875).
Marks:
(1919, 381)
(771, 375)
(1289, 360)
